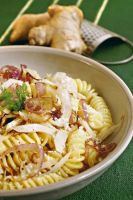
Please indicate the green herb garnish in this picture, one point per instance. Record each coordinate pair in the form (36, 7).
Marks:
(14, 102)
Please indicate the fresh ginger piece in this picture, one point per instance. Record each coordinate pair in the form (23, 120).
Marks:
(25, 23)
(61, 31)
(41, 35)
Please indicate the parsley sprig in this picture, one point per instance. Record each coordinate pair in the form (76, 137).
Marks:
(14, 102)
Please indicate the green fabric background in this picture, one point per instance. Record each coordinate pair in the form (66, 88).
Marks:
(117, 182)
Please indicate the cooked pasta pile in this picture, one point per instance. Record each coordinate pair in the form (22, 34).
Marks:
(51, 128)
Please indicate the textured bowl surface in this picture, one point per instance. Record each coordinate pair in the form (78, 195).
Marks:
(108, 85)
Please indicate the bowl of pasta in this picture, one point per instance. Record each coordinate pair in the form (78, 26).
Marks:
(64, 120)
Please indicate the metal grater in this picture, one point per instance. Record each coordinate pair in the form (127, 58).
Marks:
(94, 35)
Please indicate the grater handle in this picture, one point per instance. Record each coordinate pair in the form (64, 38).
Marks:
(119, 62)
(94, 35)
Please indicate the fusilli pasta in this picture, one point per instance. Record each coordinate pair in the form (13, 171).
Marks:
(85, 89)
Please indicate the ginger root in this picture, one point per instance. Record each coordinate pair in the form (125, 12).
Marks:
(61, 31)
(25, 23)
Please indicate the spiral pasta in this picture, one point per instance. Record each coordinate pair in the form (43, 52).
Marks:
(76, 147)
(13, 162)
(45, 179)
(85, 89)
(23, 138)
(99, 104)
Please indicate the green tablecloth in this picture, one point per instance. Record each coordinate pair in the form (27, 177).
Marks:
(117, 182)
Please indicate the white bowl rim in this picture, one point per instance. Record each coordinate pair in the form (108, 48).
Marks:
(107, 161)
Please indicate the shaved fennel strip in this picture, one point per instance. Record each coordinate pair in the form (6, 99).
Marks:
(88, 128)
(107, 132)
(60, 163)
(60, 141)
(46, 81)
(10, 82)
(34, 128)
(10, 126)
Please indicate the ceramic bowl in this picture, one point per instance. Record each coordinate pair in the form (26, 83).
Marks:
(107, 83)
